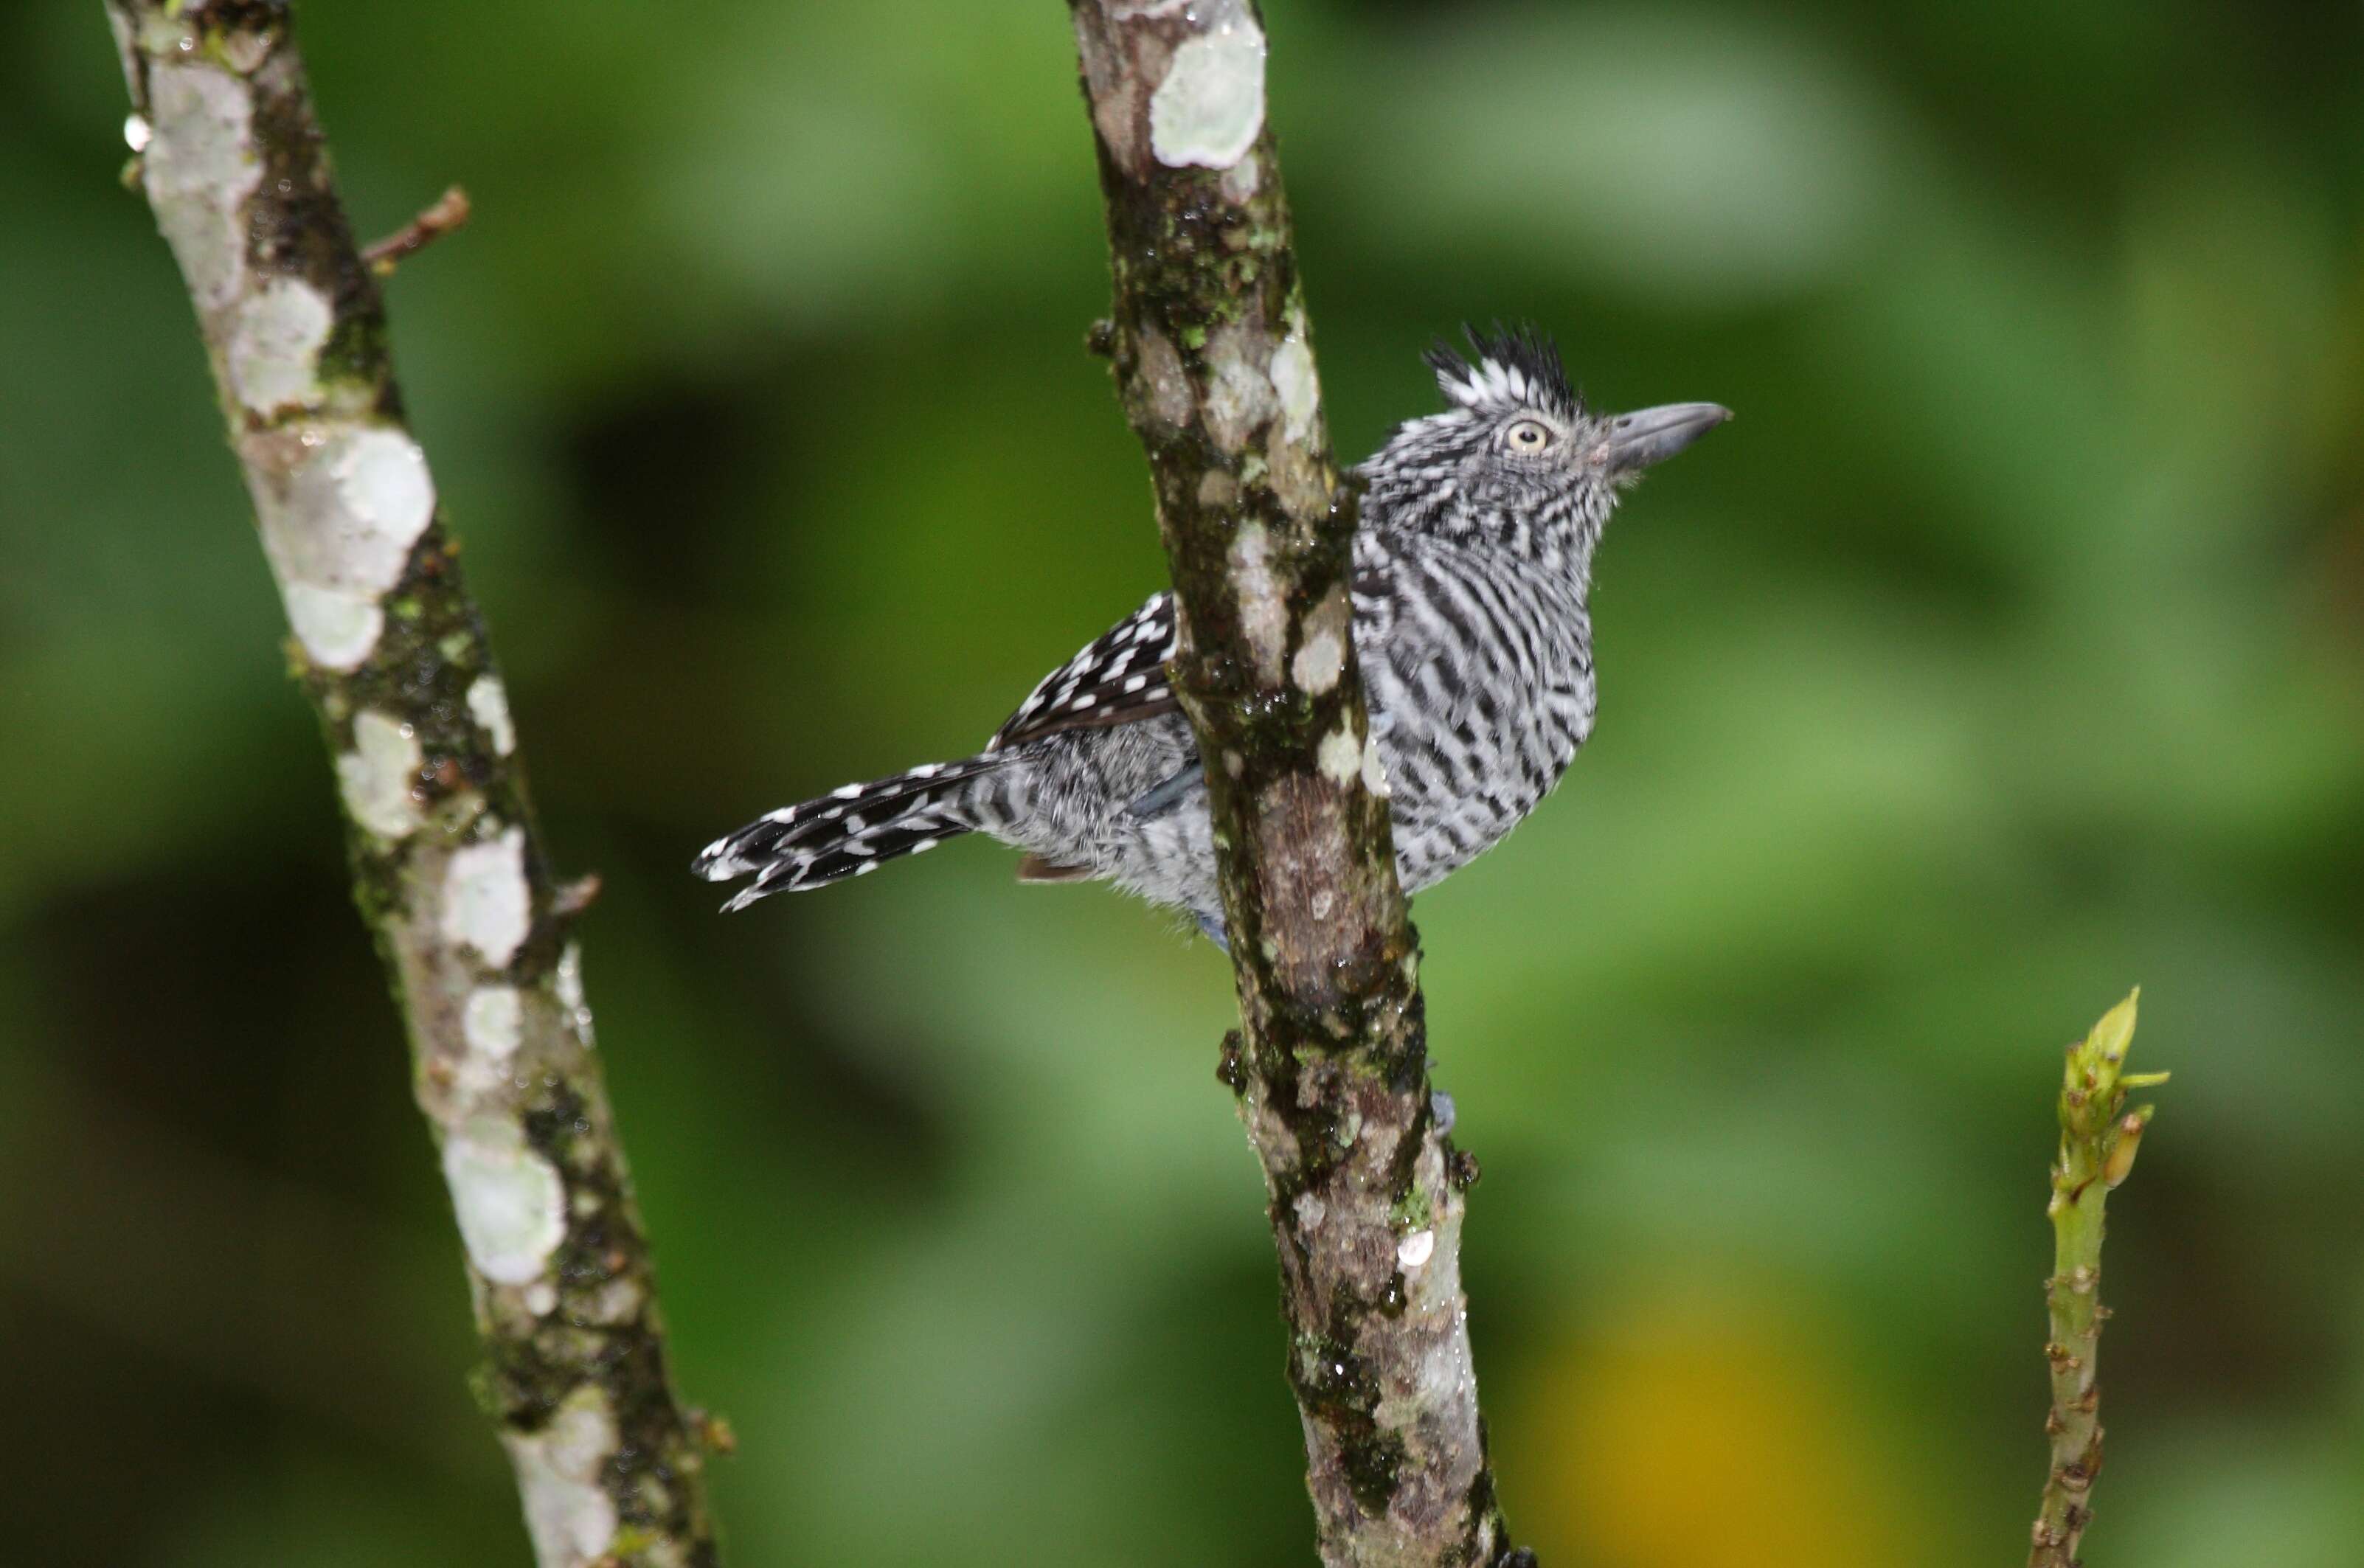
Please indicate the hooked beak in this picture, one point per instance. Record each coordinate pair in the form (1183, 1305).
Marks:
(1649, 435)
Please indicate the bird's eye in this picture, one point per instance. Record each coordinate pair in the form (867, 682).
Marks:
(1528, 435)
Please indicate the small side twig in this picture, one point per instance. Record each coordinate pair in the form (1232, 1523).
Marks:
(449, 213)
(2098, 1141)
(574, 898)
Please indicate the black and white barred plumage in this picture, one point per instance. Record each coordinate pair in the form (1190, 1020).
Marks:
(1471, 570)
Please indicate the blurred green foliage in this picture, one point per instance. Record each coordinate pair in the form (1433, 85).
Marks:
(2008, 650)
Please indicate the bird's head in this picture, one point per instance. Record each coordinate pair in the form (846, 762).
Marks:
(1517, 449)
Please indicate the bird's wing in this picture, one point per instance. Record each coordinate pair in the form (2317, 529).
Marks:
(1122, 676)
(1118, 679)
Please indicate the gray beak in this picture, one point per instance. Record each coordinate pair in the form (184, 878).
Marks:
(1650, 435)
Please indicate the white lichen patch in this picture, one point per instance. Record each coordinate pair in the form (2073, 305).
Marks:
(377, 775)
(617, 1301)
(337, 630)
(486, 905)
(384, 497)
(1210, 108)
(1240, 181)
(1321, 657)
(275, 348)
(569, 981)
(1375, 773)
(1299, 389)
(1318, 660)
(1162, 378)
(493, 1022)
(510, 1202)
(1435, 1288)
(246, 51)
(1240, 396)
(199, 168)
(1444, 1385)
(1340, 756)
(338, 532)
(570, 976)
(1301, 483)
(1264, 612)
(488, 704)
(571, 1519)
(1415, 1249)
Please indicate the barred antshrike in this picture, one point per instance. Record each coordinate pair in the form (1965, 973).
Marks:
(1471, 569)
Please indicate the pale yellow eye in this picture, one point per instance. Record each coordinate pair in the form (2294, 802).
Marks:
(1528, 435)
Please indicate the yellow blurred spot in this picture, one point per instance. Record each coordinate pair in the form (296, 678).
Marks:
(1676, 1436)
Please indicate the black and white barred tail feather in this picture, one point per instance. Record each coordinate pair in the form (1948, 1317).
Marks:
(852, 829)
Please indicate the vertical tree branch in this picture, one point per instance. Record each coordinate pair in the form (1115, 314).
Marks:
(1215, 368)
(449, 869)
(2098, 1141)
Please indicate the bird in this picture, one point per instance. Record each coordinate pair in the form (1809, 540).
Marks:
(1470, 582)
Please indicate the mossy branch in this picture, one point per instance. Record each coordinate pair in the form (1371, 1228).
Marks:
(1214, 364)
(2099, 1137)
(449, 868)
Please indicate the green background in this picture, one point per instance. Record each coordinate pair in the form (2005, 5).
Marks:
(2008, 650)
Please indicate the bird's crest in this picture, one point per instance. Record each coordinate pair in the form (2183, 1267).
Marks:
(1515, 367)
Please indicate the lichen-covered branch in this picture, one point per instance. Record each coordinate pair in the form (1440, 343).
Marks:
(449, 869)
(2098, 1139)
(1215, 366)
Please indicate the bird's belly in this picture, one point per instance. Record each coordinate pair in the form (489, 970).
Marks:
(1467, 766)
(1075, 801)
(1467, 758)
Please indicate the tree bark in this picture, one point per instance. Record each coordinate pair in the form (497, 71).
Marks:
(1215, 369)
(449, 869)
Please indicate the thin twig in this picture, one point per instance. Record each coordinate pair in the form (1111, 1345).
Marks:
(449, 868)
(1214, 363)
(2098, 1141)
(450, 212)
(573, 899)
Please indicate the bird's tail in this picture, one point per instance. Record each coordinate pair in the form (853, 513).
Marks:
(851, 830)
